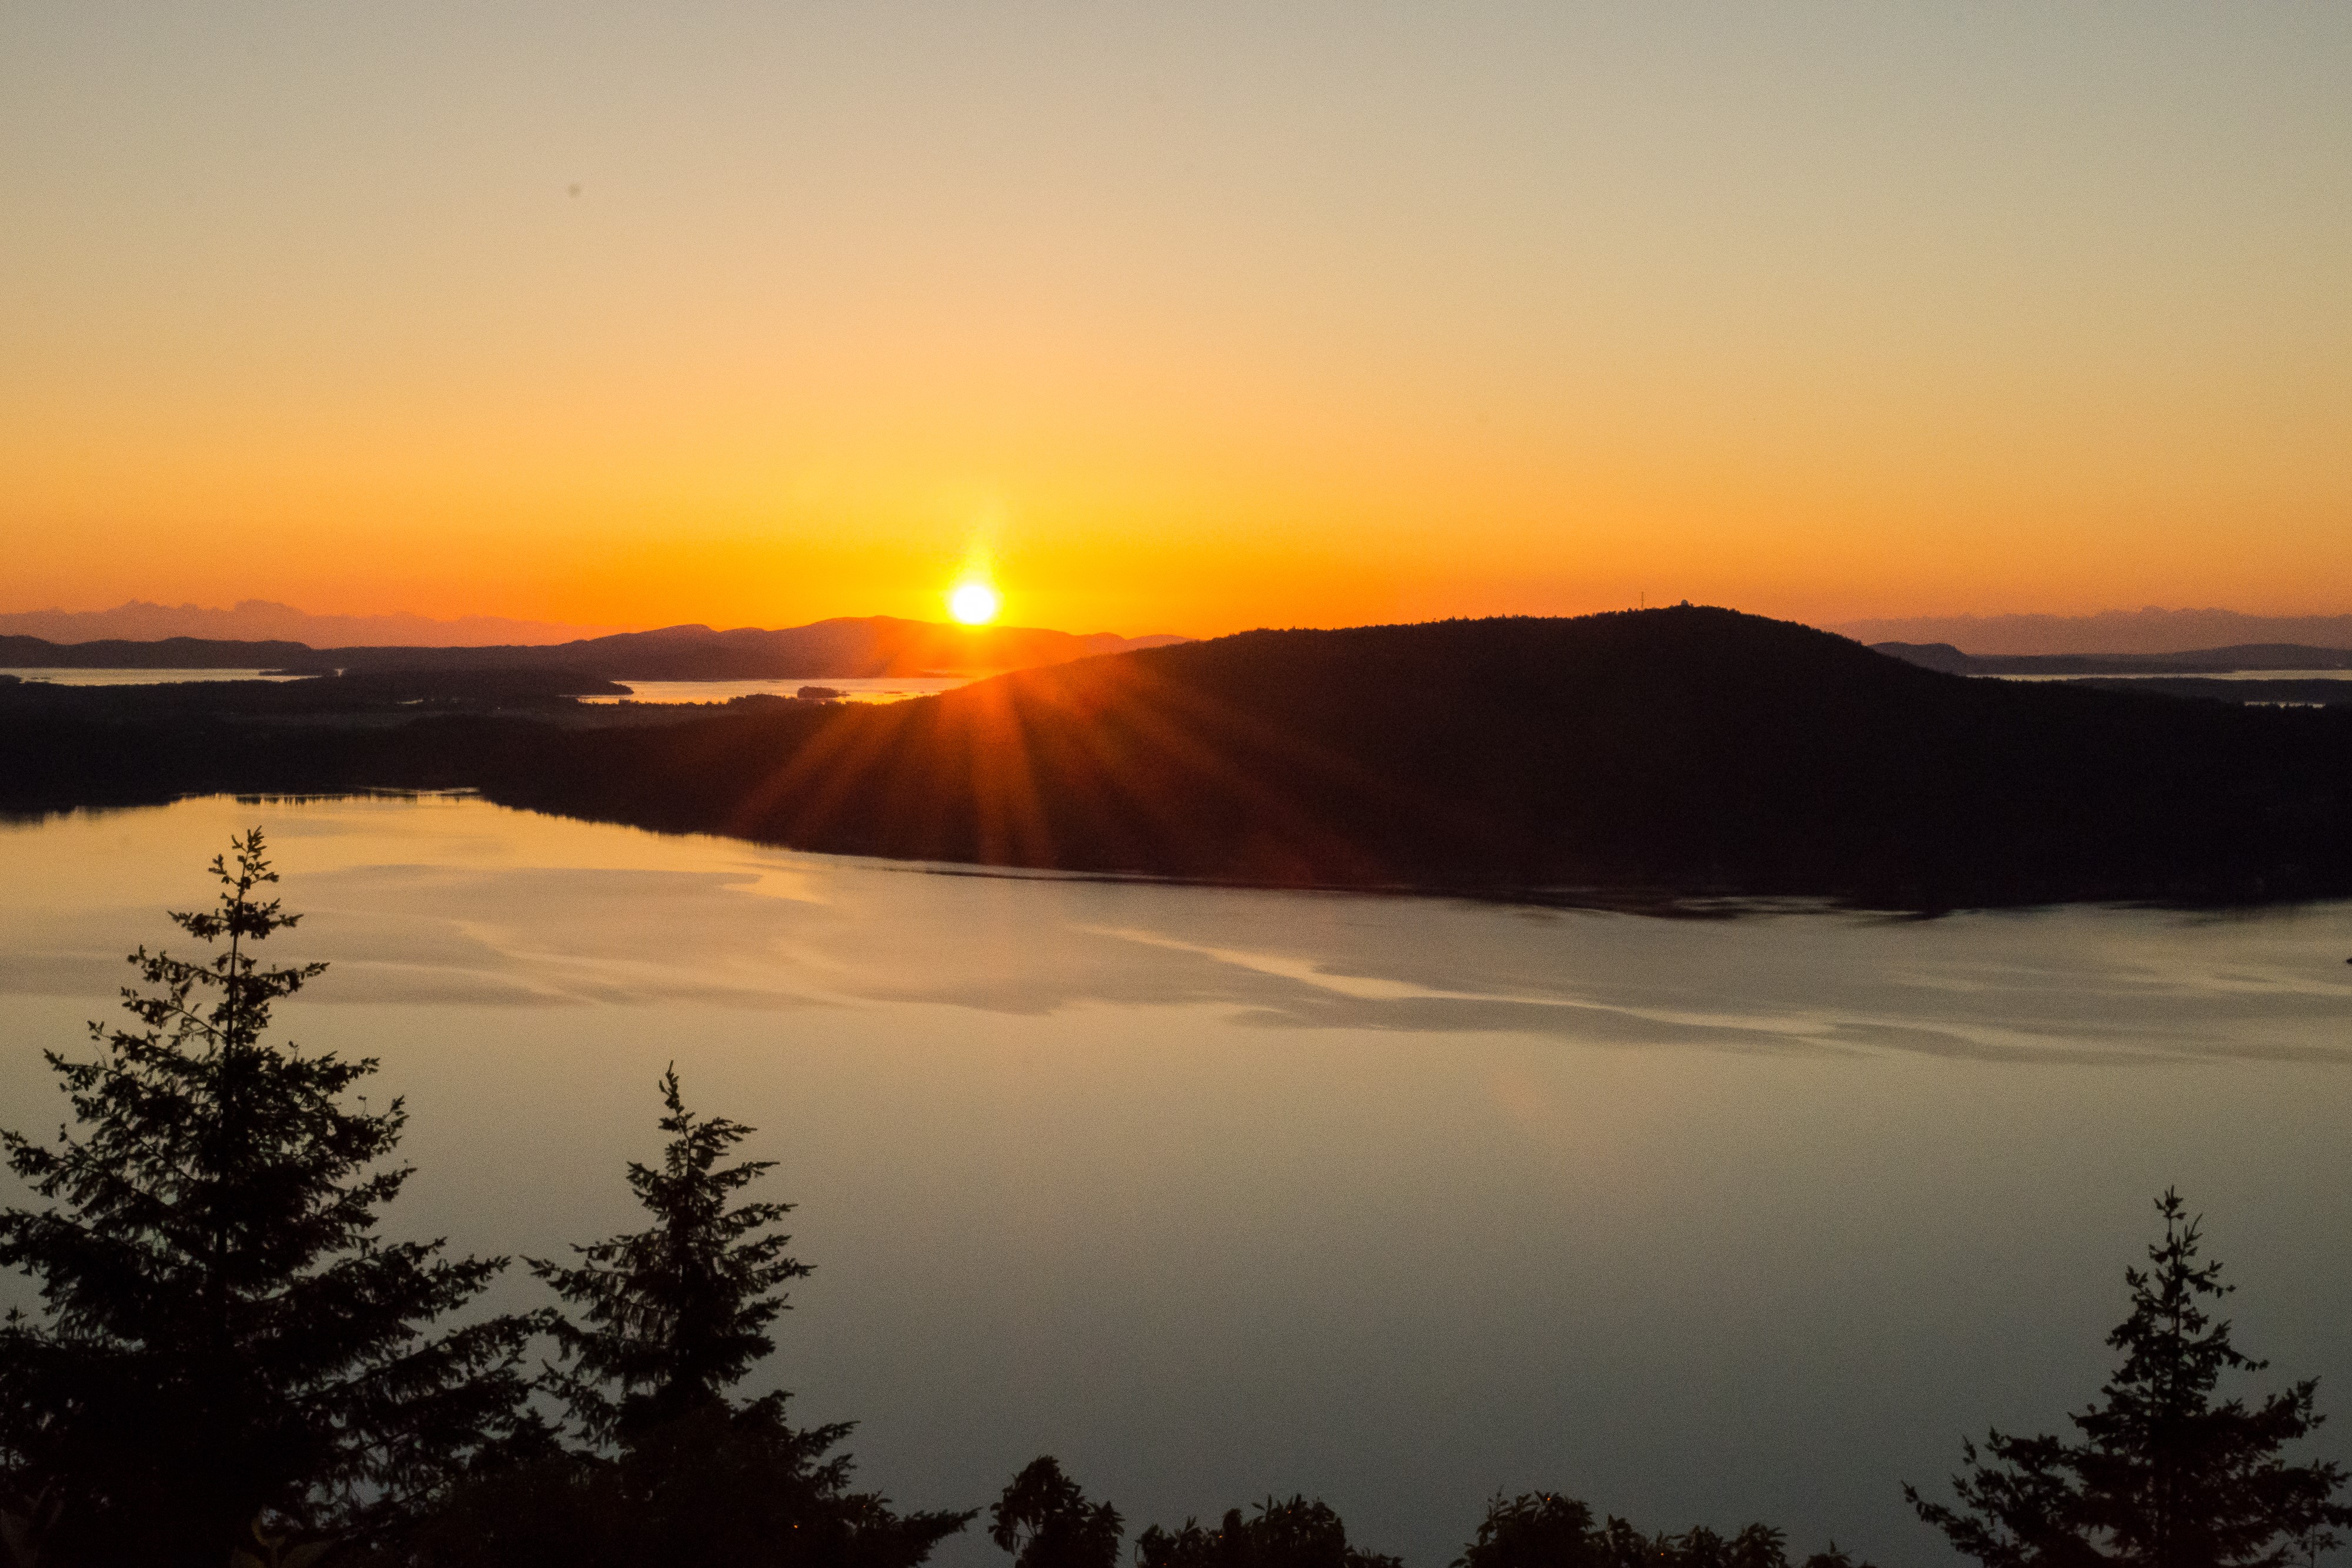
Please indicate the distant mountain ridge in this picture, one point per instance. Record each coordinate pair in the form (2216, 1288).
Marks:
(845, 647)
(266, 621)
(2190, 662)
(2115, 631)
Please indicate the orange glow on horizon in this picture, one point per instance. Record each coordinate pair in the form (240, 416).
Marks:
(2034, 309)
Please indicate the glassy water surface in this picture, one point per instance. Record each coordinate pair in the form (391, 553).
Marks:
(2197, 674)
(64, 676)
(1396, 1201)
(850, 689)
(858, 688)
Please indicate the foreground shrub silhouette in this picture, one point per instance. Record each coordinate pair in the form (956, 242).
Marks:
(2163, 1476)
(1537, 1530)
(1045, 1522)
(226, 1351)
(672, 1469)
(1550, 1530)
(1293, 1534)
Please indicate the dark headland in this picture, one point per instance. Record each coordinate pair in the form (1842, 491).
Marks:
(851, 646)
(1687, 751)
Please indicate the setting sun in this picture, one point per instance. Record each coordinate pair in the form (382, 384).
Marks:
(974, 603)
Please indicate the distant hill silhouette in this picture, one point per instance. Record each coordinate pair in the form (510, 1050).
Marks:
(1687, 751)
(165, 654)
(263, 621)
(320, 697)
(842, 648)
(848, 647)
(2148, 631)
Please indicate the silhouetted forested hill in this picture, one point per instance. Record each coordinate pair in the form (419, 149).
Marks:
(1688, 750)
(166, 653)
(316, 695)
(846, 647)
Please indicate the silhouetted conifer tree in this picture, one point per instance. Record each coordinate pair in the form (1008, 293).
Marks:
(1294, 1534)
(2164, 1476)
(223, 1342)
(1045, 1522)
(675, 1470)
(675, 1315)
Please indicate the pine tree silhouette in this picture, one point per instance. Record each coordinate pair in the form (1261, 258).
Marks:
(223, 1342)
(675, 1315)
(674, 1468)
(2164, 1476)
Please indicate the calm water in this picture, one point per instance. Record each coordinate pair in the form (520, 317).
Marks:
(1396, 1201)
(854, 689)
(878, 689)
(78, 677)
(2199, 674)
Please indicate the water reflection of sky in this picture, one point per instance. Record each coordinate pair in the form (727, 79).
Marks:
(2194, 674)
(861, 688)
(858, 688)
(81, 677)
(1213, 1192)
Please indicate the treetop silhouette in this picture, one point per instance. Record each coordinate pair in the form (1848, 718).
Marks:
(677, 1313)
(1552, 1529)
(1296, 1533)
(674, 1468)
(2164, 1475)
(1044, 1521)
(223, 1338)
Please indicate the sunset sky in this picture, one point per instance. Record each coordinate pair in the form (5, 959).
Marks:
(1183, 316)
